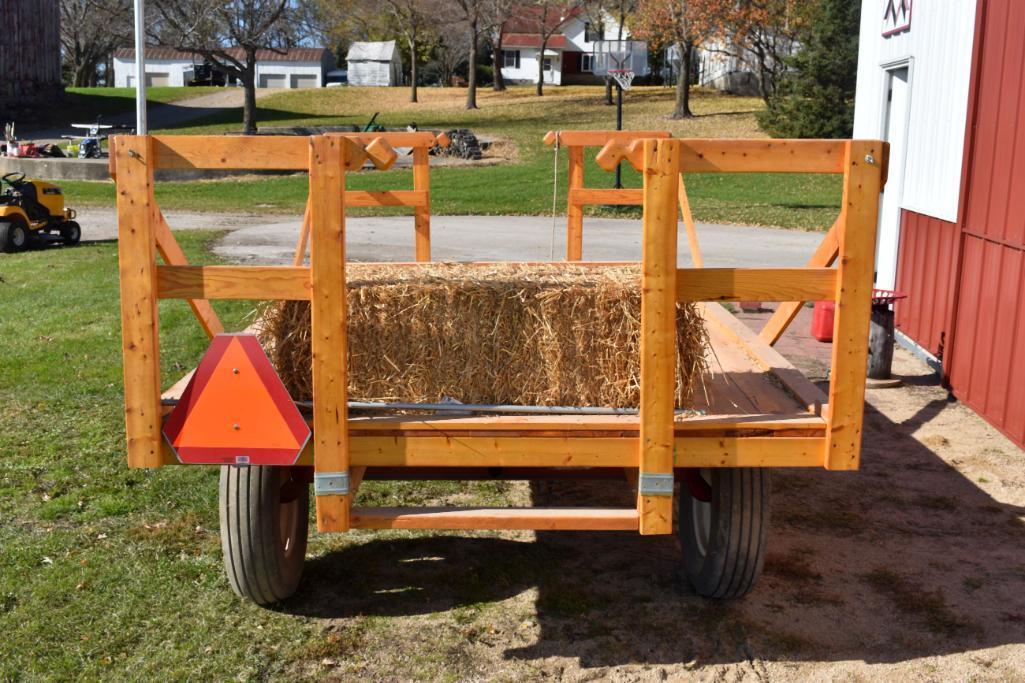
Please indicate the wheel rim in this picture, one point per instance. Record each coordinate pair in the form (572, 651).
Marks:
(288, 518)
(18, 236)
(74, 232)
(701, 517)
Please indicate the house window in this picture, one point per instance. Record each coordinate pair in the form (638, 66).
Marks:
(593, 32)
(510, 59)
(586, 62)
(548, 64)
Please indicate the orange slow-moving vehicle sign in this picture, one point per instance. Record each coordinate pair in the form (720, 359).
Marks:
(235, 410)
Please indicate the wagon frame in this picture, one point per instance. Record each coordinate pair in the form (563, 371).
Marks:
(788, 421)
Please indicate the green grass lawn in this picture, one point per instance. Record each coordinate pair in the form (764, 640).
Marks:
(523, 185)
(108, 573)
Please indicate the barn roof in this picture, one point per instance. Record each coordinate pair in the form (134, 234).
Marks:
(371, 52)
(292, 54)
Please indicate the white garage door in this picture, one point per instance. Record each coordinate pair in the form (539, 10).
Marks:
(273, 81)
(305, 81)
(158, 79)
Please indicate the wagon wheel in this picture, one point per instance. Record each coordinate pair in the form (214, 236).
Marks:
(264, 525)
(724, 517)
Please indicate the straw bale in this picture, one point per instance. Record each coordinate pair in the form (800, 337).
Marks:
(525, 334)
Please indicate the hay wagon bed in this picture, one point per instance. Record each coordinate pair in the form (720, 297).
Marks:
(755, 411)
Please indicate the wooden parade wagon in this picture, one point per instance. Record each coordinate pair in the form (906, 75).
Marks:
(756, 411)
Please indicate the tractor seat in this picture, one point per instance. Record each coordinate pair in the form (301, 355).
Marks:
(30, 202)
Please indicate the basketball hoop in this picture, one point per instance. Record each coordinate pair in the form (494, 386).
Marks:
(623, 77)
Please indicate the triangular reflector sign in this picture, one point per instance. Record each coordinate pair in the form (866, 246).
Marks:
(235, 410)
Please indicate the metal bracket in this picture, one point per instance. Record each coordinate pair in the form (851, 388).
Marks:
(331, 483)
(655, 484)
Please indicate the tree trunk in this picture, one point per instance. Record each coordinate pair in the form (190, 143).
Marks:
(498, 83)
(249, 86)
(412, 70)
(471, 72)
(541, 68)
(682, 110)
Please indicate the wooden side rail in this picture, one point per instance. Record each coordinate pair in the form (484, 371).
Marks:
(755, 284)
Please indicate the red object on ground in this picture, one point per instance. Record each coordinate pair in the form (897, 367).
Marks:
(235, 410)
(822, 320)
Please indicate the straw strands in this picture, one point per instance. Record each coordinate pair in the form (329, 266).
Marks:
(526, 334)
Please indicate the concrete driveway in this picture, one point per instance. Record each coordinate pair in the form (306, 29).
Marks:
(271, 239)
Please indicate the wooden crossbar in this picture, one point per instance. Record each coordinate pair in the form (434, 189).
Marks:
(755, 284)
(537, 519)
(233, 282)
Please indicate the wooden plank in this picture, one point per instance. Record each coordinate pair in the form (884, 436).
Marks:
(327, 156)
(751, 452)
(171, 253)
(538, 519)
(417, 139)
(422, 213)
(589, 196)
(386, 198)
(755, 284)
(598, 138)
(574, 211)
(264, 152)
(658, 328)
(304, 236)
(140, 332)
(691, 229)
(736, 333)
(859, 215)
(728, 155)
(234, 282)
(824, 256)
(553, 452)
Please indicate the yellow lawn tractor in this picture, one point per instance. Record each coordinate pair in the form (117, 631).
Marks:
(32, 212)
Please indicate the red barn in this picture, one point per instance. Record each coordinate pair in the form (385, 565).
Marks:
(945, 84)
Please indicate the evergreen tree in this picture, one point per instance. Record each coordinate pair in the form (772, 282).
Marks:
(816, 99)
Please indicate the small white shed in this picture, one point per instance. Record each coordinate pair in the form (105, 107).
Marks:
(374, 64)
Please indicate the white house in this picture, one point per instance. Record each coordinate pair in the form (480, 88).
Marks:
(374, 64)
(568, 56)
(297, 67)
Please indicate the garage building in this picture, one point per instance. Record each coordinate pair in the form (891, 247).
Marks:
(299, 67)
(946, 87)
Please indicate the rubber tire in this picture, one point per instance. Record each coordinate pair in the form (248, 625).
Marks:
(8, 231)
(71, 233)
(729, 564)
(259, 566)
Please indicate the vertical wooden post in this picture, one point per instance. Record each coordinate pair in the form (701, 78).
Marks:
(688, 224)
(328, 324)
(140, 342)
(574, 210)
(422, 214)
(658, 335)
(859, 213)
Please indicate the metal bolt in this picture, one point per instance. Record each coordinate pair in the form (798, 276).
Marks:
(869, 159)
(234, 371)
(235, 427)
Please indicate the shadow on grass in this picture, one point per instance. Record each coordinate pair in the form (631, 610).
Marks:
(906, 558)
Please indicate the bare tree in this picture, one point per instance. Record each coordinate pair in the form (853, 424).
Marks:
(229, 34)
(499, 12)
(415, 19)
(474, 15)
(90, 32)
(449, 54)
(546, 17)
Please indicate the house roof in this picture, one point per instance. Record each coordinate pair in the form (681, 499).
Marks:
(371, 52)
(292, 54)
(556, 41)
(528, 18)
